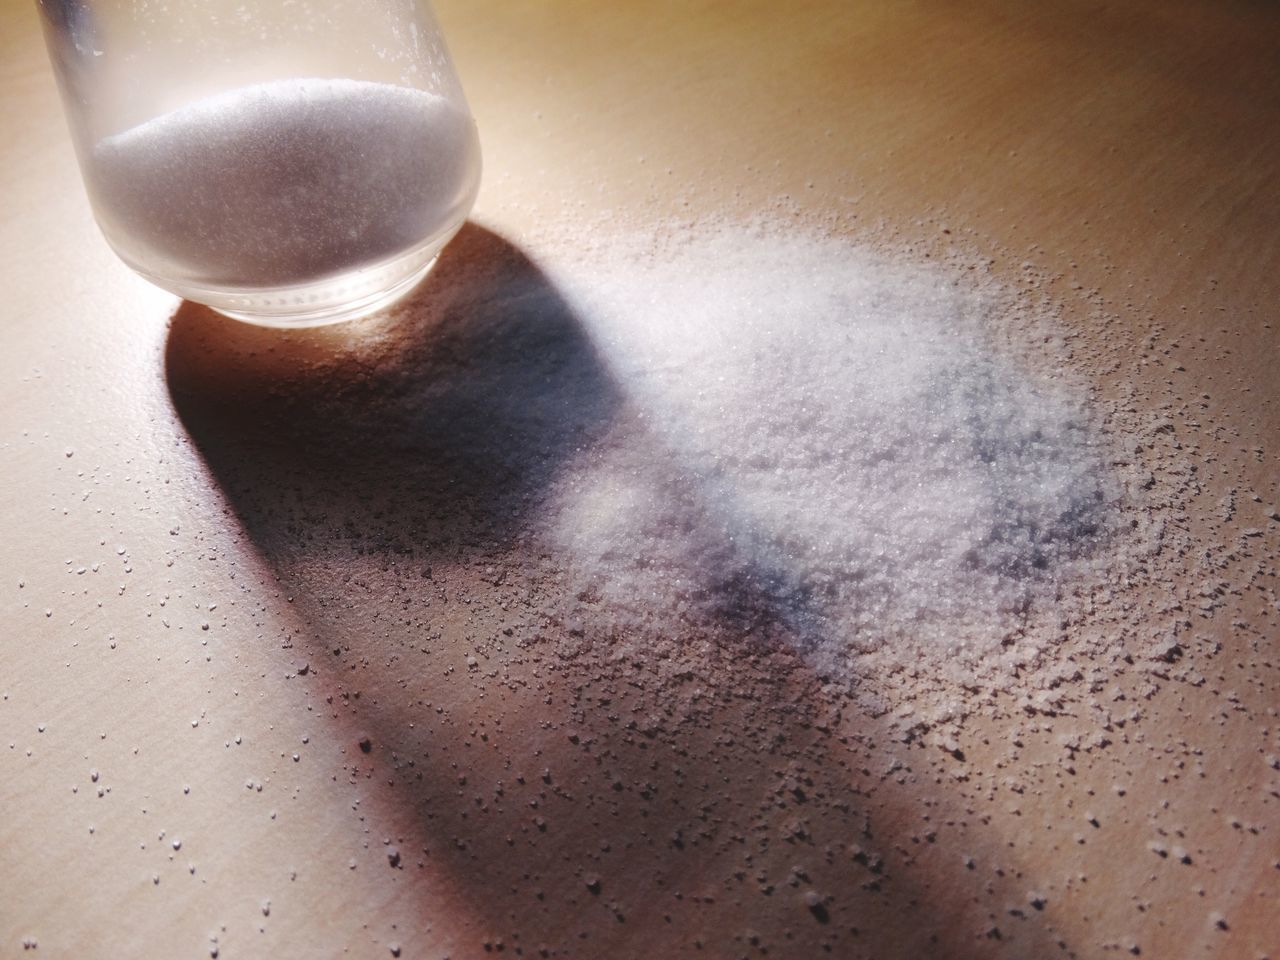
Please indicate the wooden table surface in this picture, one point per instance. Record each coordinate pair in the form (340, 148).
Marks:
(150, 658)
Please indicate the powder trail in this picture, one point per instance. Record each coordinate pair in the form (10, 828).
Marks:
(823, 437)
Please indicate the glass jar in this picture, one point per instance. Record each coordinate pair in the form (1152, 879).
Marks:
(288, 163)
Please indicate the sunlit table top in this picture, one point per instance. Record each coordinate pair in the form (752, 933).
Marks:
(154, 684)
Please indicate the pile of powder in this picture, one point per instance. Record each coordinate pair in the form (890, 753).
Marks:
(285, 182)
(818, 441)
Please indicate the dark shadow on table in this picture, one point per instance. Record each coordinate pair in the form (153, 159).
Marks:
(458, 406)
(388, 470)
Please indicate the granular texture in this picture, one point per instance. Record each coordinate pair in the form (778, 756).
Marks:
(826, 440)
(285, 182)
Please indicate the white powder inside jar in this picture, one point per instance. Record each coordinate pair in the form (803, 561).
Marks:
(284, 182)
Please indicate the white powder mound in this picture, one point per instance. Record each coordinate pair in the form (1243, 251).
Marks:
(822, 441)
(285, 182)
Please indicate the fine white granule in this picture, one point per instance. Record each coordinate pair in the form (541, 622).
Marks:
(285, 182)
(820, 439)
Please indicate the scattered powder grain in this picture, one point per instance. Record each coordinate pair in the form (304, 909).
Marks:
(820, 439)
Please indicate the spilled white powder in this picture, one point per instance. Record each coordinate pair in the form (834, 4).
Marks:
(285, 182)
(821, 440)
